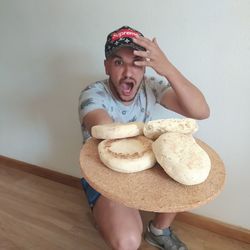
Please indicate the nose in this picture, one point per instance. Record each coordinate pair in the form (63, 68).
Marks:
(128, 71)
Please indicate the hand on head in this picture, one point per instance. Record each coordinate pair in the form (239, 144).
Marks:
(154, 56)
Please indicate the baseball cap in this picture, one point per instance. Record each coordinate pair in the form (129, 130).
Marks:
(122, 37)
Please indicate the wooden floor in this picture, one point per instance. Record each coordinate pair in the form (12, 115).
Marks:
(39, 214)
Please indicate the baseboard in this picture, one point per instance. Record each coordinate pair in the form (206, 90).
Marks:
(199, 221)
(212, 225)
(40, 171)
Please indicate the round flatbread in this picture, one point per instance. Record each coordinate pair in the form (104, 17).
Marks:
(127, 155)
(182, 158)
(153, 129)
(117, 130)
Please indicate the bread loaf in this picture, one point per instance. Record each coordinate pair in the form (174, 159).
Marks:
(182, 158)
(127, 155)
(153, 129)
(117, 130)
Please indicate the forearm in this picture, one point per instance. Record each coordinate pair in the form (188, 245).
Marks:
(96, 117)
(184, 97)
(188, 97)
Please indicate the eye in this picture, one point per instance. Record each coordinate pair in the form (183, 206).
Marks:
(118, 62)
(138, 59)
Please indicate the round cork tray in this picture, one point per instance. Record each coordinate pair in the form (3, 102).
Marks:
(151, 189)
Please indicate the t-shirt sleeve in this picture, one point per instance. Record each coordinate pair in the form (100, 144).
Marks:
(158, 87)
(91, 98)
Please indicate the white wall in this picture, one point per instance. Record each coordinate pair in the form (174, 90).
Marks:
(51, 49)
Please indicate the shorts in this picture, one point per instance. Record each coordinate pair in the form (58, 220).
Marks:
(91, 193)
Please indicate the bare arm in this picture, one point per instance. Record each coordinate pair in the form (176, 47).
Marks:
(96, 117)
(184, 97)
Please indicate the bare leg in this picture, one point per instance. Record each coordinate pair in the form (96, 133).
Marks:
(120, 226)
(163, 220)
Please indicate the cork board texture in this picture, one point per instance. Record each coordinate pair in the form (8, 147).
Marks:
(151, 189)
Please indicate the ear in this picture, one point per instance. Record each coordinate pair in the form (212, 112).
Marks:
(106, 66)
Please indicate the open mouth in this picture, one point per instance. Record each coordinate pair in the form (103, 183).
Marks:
(126, 88)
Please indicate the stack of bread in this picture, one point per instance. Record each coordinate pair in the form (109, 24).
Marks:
(136, 146)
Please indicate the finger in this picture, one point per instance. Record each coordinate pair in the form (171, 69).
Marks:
(143, 41)
(155, 42)
(144, 54)
(144, 63)
(143, 38)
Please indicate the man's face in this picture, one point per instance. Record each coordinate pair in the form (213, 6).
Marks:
(124, 76)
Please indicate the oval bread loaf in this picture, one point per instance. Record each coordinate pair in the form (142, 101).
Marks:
(117, 130)
(182, 158)
(127, 155)
(153, 129)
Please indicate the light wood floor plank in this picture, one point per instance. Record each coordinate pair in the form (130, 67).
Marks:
(37, 214)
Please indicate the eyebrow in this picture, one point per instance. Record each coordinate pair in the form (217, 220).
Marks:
(116, 56)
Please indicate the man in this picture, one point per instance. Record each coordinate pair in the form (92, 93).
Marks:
(126, 96)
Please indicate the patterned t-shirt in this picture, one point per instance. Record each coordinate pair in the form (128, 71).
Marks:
(99, 96)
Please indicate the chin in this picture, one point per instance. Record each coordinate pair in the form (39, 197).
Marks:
(127, 98)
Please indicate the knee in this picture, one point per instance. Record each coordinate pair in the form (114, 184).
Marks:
(127, 241)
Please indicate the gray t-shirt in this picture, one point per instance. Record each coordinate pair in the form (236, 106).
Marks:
(99, 96)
